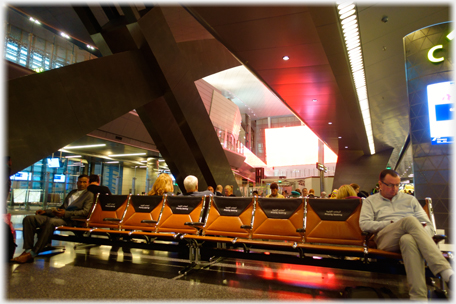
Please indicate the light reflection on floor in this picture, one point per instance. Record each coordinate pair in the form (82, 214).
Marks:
(266, 280)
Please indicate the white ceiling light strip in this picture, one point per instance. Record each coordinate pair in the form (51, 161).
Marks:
(349, 23)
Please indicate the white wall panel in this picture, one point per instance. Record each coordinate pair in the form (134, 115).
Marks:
(225, 114)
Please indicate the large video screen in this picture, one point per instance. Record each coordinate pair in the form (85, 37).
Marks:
(294, 146)
(441, 106)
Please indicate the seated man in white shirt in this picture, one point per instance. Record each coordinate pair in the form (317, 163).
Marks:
(396, 218)
(77, 204)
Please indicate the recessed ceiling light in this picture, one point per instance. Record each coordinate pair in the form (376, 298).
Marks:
(314, 100)
(285, 57)
(330, 123)
(346, 147)
(340, 137)
(132, 154)
(83, 147)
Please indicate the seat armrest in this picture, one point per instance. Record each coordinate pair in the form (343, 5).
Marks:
(246, 227)
(149, 221)
(195, 224)
(439, 237)
(110, 219)
(82, 220)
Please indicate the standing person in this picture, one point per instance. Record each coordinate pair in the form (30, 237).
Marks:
(94, 186)
(162, 185)
(77, 204)
(9, 228)
(229, 190)
(8, 174)
(191, 187)
(218, 190)
(323, 194)
(274, 191)
(396, 218)
(304, 192)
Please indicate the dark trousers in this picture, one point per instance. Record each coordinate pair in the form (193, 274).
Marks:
(47, 226)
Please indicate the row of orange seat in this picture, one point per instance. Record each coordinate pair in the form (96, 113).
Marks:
(327, 226)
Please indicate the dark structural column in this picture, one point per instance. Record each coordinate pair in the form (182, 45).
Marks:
(353, 166)
(429, 61)
(178, 122)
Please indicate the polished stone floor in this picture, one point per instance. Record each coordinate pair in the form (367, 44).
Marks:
(99, 273)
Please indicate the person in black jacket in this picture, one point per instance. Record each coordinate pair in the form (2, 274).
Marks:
(94, 186)
(218, 190)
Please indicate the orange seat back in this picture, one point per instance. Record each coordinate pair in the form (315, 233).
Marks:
(142, 212)
(226, 215)
(179, 210)
(108, 206)
(334, 221)
(279, 219)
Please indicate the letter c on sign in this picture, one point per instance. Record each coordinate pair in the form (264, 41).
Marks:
(431, 54)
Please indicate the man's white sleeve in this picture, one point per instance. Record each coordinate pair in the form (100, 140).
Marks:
(367, 220)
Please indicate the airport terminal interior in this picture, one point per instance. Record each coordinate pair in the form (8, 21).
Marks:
(245, 96)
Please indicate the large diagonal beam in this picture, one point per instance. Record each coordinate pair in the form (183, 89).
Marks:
(49, 110)
(184, 100)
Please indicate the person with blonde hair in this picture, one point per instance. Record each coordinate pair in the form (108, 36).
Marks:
(346, 191)
(163, 184)
(355, 187)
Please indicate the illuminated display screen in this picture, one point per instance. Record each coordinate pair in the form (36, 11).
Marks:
(21, 176)
(53, 162)
(440, 106)
(294, 146)
(59, 178)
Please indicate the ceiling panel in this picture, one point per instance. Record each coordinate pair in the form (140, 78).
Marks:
(262, 35)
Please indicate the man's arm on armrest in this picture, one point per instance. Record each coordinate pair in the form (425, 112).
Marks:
(422, 216)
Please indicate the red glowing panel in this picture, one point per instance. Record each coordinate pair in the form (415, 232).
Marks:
(294, 146)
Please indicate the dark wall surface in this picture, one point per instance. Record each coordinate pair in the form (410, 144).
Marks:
(431, 162)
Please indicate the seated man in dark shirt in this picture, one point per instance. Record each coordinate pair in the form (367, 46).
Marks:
(218, 190)
(77, 204)
(191, 187)
(94, 186)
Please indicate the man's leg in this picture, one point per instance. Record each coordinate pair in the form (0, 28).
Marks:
(414, 267)
(388, 239)
(428, 248)
(47, 229)
(29, 225)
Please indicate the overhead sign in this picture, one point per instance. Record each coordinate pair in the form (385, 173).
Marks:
(322, 167)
